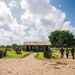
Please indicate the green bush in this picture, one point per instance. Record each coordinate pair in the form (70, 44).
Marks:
(18, 50)
(2, 53)
(47, 54)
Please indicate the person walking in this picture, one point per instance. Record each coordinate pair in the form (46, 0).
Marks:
(62, 52)
(67, 51)
(72, 52)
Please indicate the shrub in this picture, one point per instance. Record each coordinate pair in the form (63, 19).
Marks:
(3, 53)
(47, 54)
(18, 51)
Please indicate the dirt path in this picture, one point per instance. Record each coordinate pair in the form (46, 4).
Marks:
(32, 66)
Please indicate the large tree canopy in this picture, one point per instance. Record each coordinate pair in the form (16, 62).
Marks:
(62, 38)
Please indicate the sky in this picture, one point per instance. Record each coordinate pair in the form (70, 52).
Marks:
(67, 6)
(34, 20)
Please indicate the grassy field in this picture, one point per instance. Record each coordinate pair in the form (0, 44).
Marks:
(58, 50)
(12, 54)
(40, 55)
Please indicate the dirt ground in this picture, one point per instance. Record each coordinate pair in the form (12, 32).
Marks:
(32, 66)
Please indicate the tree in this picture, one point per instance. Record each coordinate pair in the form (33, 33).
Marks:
(62, 38)
(3, 46)
(14, 46)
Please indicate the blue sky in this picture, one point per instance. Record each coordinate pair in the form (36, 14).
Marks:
(34, 20)
(67, 6)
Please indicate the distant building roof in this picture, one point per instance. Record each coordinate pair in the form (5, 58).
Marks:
(37, 43)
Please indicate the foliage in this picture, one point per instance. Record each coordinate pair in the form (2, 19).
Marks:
(13, 51)
(54, 48)
(3, 53)
(14, 46)
(47, 54)
(12, 54)
(62, 38)
(18, 50)
(40, 55)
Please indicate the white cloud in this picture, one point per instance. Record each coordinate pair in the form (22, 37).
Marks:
(36, 7)
(5, 14)
(43, 15)
(27, 17)
(12, 4)
(15, 33)
(67, 26)
(39, 19)
(16, 28)
(7, 37)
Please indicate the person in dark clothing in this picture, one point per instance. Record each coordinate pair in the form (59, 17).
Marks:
(67, 51)
(62, 52)
(72, 52)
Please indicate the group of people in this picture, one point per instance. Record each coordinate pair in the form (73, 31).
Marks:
(67, 52)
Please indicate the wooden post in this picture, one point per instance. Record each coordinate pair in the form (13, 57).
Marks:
(27, 48)
(44, 48)
(31, 47)
(39, 48)
(24, 48)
